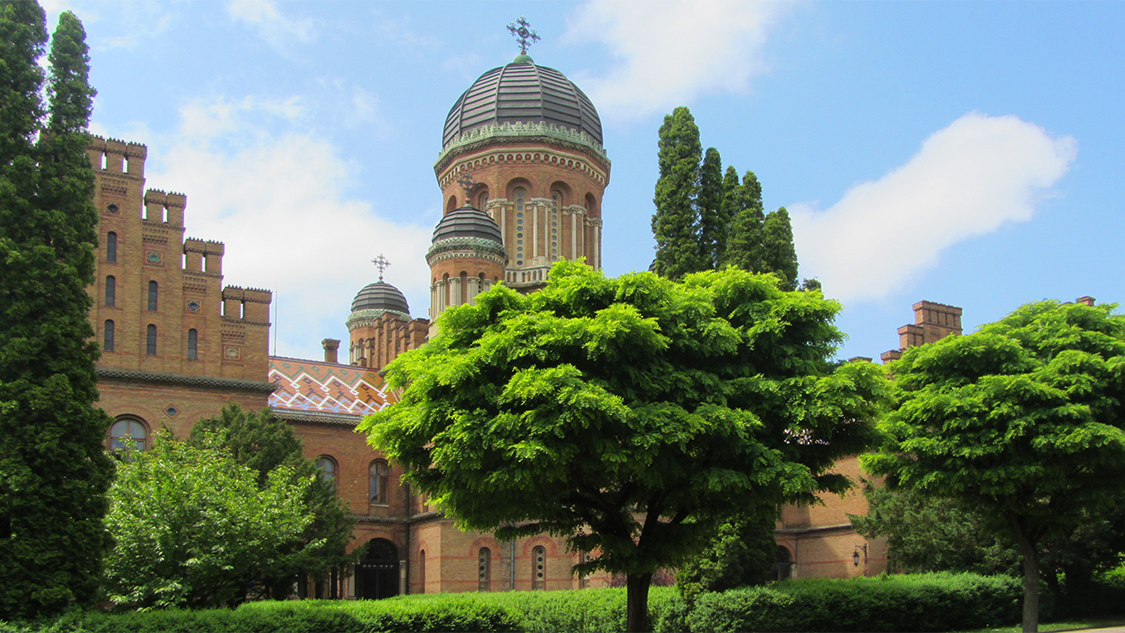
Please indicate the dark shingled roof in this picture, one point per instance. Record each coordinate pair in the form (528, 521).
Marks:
(380, 296)
(523, 92)
(467, 222)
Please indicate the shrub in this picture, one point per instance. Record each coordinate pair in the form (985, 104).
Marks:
(922, 602)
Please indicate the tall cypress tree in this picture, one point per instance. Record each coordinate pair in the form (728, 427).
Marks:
(778, 253)
(712, 224)
(676, 221)
(744, 246)
(54, 470)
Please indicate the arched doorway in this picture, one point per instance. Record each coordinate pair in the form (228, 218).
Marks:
(376, 576)
(783, 568)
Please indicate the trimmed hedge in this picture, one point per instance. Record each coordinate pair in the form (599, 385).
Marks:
(924, 602)
(921, 602)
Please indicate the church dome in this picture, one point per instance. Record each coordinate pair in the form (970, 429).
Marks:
(523, 92)
(468, 222)
(380, 296)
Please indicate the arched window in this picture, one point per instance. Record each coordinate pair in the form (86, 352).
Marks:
(379, 479)
(193, 344)
(110, 293)
(327, 467)
(539, 568)
(556, 202)
(520, 193)
(111, 247)
(150, 340)
(153, 292)
(128, 432)
(484, 569)
(108, 336)
(482, 200)
(422, 571)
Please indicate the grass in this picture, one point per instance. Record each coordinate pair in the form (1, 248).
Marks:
(1065, 625)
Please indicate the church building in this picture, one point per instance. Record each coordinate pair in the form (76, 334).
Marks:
(521, 173)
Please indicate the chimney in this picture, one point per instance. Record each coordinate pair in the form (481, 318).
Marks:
(1086, 300)
(331, 346)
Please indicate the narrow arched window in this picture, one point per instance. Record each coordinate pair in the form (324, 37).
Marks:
(379, 478)
(539, 568)
(110, 293)
(193, 344)
(484, 569)
(111, 247)
(482, 201)
(150, 340)
(153, 292)
(127, 433)
(422, 570)
(327, 467)
(108, 335)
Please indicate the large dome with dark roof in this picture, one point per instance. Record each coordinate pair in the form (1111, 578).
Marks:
(523, 92)
(380, 296)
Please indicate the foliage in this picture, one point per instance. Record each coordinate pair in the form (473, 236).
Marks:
(779, 256)
(194, 528)
(676, 221)
(53, 468)
(1022, 420)
(627, 414)
(742, 554)
(924, 602)
(744, 246)
(713, 223)
(263, 444)
(925, 534)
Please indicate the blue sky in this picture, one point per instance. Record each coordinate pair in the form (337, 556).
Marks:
(968, 153)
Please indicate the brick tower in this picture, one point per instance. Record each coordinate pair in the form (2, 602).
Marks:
(531, 142)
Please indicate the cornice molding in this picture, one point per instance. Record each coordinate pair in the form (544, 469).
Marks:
(161, 378)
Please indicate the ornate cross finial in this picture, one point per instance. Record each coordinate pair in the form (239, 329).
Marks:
(525, 35)
(381, 263)
(467, 183)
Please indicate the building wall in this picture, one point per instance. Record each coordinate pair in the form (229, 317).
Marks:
(162, 281)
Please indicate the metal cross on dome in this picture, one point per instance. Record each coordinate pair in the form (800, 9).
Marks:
(525, 35)
(381, 263)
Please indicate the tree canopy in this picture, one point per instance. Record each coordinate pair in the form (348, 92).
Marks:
(54, 470)
(194, 528)
(265, 444)
(627, 414)
(1022, 420)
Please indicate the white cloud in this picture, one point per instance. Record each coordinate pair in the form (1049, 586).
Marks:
(967, 179)
(274, 27)
(274, 200)
(668, 52)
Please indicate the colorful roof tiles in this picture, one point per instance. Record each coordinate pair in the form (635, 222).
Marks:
(304, 385)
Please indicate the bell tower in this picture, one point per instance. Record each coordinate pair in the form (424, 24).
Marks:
(531, 142)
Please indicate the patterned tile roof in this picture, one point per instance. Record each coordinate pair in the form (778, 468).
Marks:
(312, 386)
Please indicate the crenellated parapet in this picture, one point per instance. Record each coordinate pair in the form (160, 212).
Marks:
(116, 156)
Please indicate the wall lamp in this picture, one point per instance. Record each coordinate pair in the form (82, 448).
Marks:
(855, 555)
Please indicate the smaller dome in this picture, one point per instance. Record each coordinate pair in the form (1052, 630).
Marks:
(380, 296)
(468, 222)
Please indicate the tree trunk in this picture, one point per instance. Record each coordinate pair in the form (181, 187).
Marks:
(1030, 580)
(636, 609)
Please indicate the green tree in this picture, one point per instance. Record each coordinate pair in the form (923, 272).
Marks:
(742, 552)
(744, 246)
(1021, 420)
(54, 471)
(195, 529)
(676, 221)
(264, 444)
(779, 256)
(628, 414)
(931, 534)
(713, 225)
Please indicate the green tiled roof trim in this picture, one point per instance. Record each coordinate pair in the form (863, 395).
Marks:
(363, 317)
(137, 375)
(316, 417)
(524, 131)
(460, 243)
